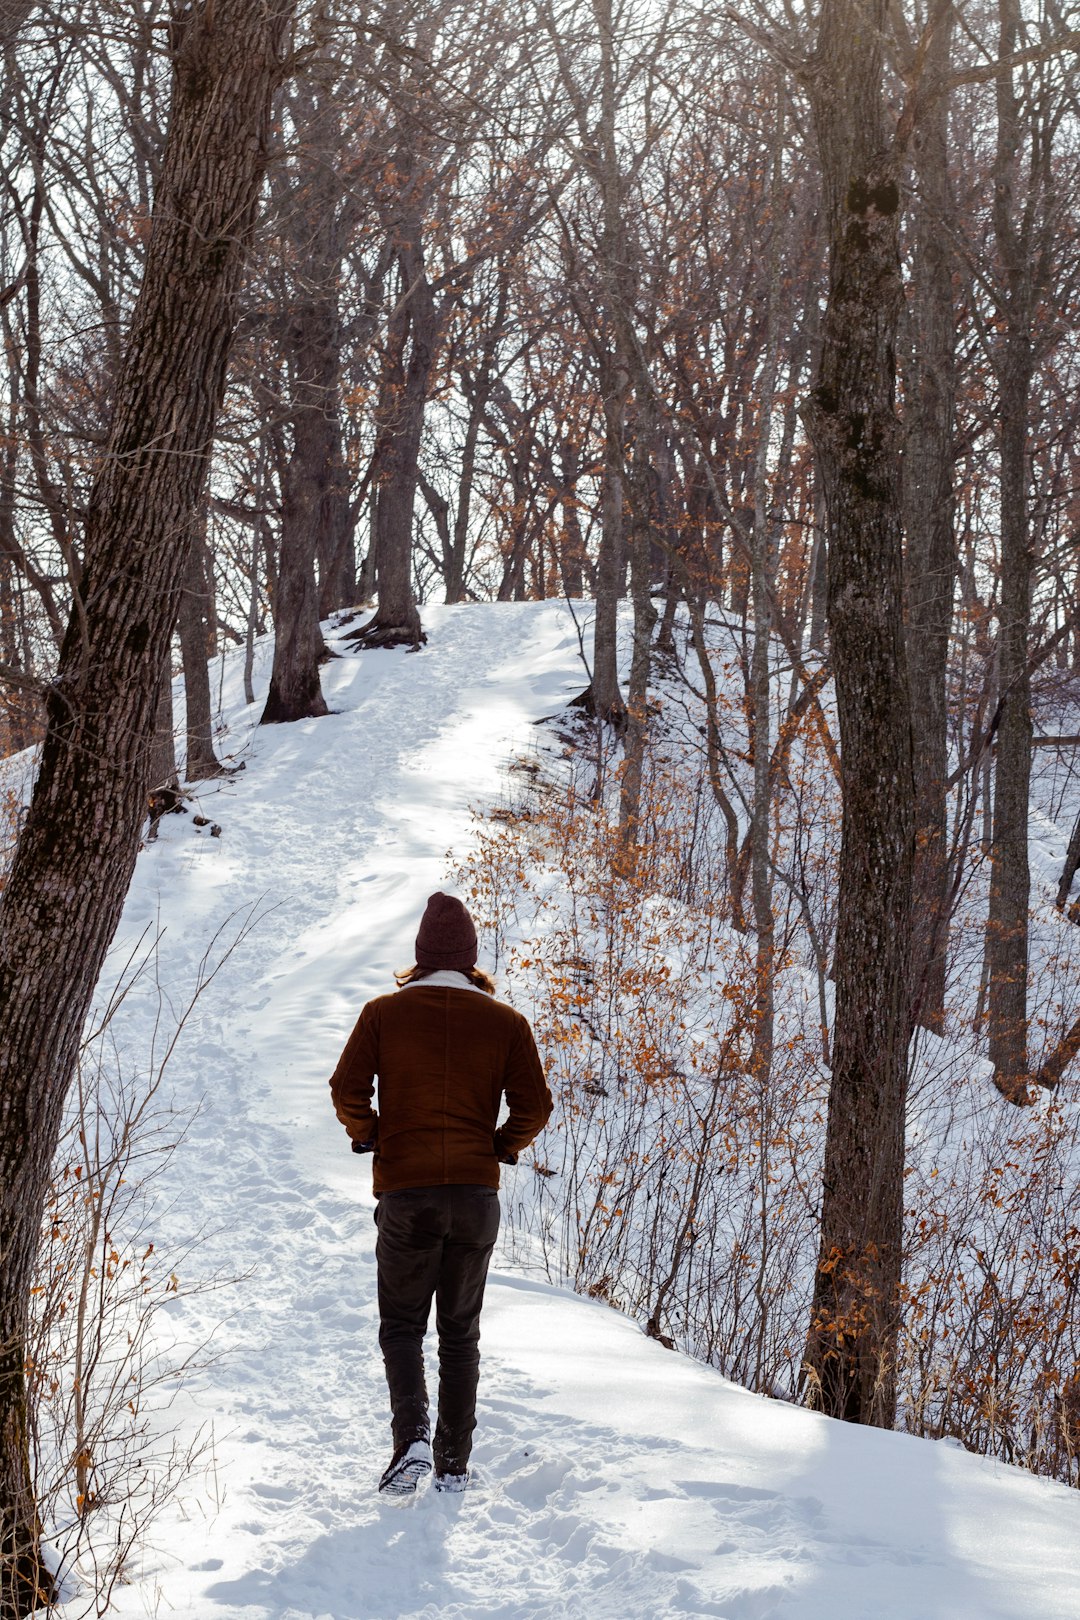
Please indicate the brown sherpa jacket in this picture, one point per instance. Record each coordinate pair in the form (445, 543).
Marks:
(444, 1057)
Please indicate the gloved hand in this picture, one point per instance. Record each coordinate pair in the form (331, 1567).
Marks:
(363, 1147)
(503, 1153)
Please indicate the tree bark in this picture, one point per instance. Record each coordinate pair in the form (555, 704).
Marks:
(201, 761)
(643, 520)
(316, 517)
(761, 594)
(163, 781)
(619, 374)
(295, 689)
(604, 699)
(851, 417)
(75, 856)
(18, 706)
(415, 329)
(572, 552)
(316, 325)
(1007, 920)
(1010, 882)
(930, 409)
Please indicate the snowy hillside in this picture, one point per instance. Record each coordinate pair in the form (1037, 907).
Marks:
(614, 1480)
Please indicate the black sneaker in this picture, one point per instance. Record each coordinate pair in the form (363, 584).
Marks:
(451, 1482)
(408, 1466)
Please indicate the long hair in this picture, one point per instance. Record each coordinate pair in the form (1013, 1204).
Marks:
(475, 975)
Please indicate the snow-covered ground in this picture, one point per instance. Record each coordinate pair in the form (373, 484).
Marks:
(613, 1478)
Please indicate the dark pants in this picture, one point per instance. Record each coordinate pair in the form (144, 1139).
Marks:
(434, 1240)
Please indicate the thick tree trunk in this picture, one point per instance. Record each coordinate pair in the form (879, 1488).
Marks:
(1007, 921)
(851, 1349)
(931, 543)
(74, 859)
(369, 568)
(397, 621)
(335, 545)
(336, 551)
(192, 622)
(316, 517)
(572, 553)
(295, 689)
(163, 783)
(162, 777)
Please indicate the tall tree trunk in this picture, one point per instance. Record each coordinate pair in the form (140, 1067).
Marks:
(621, 376)
(415, 332)
(192, 622)
(761, 588)
(643, 518)
(162, 780)
(316, 518)
(851, 416)
(75, 856)
(930, 409)
(1007, 921)
(295, 689)
(572, 549)
(369, 568)
(315, 328)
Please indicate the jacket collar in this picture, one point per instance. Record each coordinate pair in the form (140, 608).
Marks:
(450, 977)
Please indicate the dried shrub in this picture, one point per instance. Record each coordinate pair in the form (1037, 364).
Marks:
(103, 1367)
(680, 1178)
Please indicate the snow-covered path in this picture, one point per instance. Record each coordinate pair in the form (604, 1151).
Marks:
(612, 1478)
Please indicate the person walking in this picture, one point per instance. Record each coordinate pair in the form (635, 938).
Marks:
(446, 1053)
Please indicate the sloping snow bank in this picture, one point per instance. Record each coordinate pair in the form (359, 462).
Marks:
(613, 1478)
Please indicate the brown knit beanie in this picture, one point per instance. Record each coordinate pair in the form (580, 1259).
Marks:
(447, 938)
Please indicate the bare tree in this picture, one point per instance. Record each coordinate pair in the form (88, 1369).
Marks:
(1023, 227)
(851, 417)
(76, 852)
(193, 624)
(316, 560)
(929, 456)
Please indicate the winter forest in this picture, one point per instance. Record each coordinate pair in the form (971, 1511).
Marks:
(619, 461)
